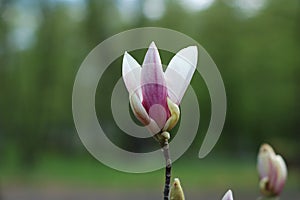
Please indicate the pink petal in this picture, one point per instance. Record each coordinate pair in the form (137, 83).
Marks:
(228, 195)
(154, 89)
(131, 73)
(180, 72)
(273, 173)
(153, 127)
(158, 113)
(281, 170)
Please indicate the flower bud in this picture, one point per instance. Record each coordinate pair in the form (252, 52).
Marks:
(176, 191)
(272, 171)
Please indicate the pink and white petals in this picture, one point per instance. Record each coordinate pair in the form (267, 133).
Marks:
(153, 127)
(154, 88)
(159, 114)
(152, 78)
(155, 95)
(180, 71)
(278, 176)
(228, 195)
(141, 114)
(138, 109)
(272, 171)
(282, 174)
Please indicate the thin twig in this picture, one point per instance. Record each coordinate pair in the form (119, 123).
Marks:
(168, 170)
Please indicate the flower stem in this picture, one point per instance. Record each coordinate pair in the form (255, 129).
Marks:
(168, 169)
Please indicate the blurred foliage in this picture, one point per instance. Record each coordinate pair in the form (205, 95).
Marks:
(257, 55)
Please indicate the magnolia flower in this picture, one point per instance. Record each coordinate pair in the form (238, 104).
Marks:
(228, 195)
(155, 95)
(272, 171)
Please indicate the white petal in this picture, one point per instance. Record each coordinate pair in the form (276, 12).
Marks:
(131, 73)
(138, 109)
(228, 195)
(265, 155)
(180, 71)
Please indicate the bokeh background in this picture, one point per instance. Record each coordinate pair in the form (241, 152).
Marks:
(255, 44)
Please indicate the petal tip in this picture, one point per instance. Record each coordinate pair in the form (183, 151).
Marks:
(127, 63)
(152, 55)
(228, 195)
(193, 48)
(152, 45)
(126, 56)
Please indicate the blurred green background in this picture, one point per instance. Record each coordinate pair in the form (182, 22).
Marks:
(255, 44)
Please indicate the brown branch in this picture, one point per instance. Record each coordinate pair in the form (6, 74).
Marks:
(166, 153)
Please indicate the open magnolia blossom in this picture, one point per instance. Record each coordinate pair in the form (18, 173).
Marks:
(228, 195)
(272, 171)
(154, 94)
